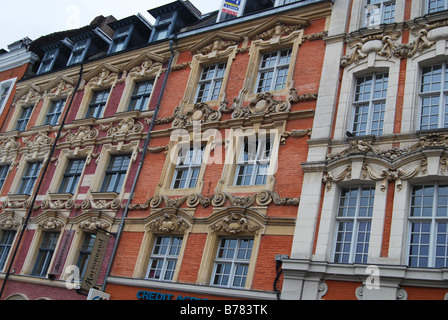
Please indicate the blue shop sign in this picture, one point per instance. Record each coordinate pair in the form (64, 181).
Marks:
(154, 295)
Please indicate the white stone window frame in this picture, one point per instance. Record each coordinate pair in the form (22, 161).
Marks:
(373, 64)
(6, 88)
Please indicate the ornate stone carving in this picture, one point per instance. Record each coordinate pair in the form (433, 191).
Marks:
(294, 97)
(93, 223)
(277, 27)
(8, 221)
(9, 144)
(397, 175)
(83, 133)
(125, 127)
(297, 133)
(235, 223)
(168, 223)
(328, 179)
(41, 139)
(215, 42)
(263, 104)
(201, 112)
(51, 223)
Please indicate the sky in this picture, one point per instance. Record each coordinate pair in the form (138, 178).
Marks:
(36, 18)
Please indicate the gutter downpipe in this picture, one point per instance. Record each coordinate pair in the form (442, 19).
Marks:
(140, 165)
(41, 178)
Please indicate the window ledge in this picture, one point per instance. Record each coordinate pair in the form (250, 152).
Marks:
(104, 195)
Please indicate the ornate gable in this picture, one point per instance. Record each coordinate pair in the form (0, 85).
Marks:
(103, 75)
(144, 63)
(215, 42)
(277, 27)
(59, 86)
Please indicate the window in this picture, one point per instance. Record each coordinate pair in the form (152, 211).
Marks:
(353, 225)
(48, 61)
(84, 253)
(24, 117)
(45, 254)
(209, 85)
(370, 104)
(164, 258)
(428, 226)
(163, 26)
(273, 71)
(433, 95)
(282, 2)
(253, 161)
(29, 178)
(55, 112)
(121, 39)
(232, 262)
(436, 5)
(72, 175)
(141, 95)
(188, 166)
(79, 52)
(115, 173)
(379, 12)
(5, 91)
(97, 104)
(5, 246)
(3, 173)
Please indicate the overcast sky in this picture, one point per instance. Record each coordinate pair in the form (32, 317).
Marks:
(36, 18)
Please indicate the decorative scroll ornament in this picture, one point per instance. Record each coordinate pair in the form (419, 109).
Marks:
(235, 223)
(294, 97)
(9, 222)
(51, 223)
(263, 104)
(168, 223)
(397, 175)
(84, 133)
(201, 112)
(329, 178)
(41, 139)
(125, 127)
(9, 144)
(93, 223)
(297, 133)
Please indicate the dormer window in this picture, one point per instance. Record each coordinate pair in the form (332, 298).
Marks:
(48, 61)
(163, 26)
(79, 52)
(231, 9)
(121, 39)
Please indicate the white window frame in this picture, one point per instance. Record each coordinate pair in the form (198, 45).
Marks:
(376, 12)
(6, 88)
(357, 219)
(215, 82)
(433, 220)
(276, 69)
(427, 6)
(189, 166)
(165, 258)
(371, 102)
(48, 59)
(79, 49)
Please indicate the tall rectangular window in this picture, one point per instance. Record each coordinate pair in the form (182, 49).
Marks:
(141, 95)
(71, 176)
(97, 104)
(162, 264)
(433, 97)
(79, 51)
(253, 161)
(188, 167)
(29, 178)
(210, 83)
(24, 117)
(121, 39)
(46, 251)
(273, 71)
(353, 225)
(115, 173)
(5, 246)
(84, 253)
(48, 61)
(369, 104)
(232, 262)
(55, 112)
(435, 5)
(3, 173)
(428, 226)
(379, 12)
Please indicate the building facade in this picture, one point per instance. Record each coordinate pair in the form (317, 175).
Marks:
(161, 161)
(371, 222)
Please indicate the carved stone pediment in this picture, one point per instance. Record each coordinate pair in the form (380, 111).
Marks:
(28, 94)
(10, 221)
(83, 133)
(215, 42)
(125, 127)
(201, 112)
(103, 75)
(93, 223)
(169, 222)
(144, 63)
(235, 223)
(51, 223)
(9, 144)
(263, 104)
(40, 139)
(278, 27)
(60, 85)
